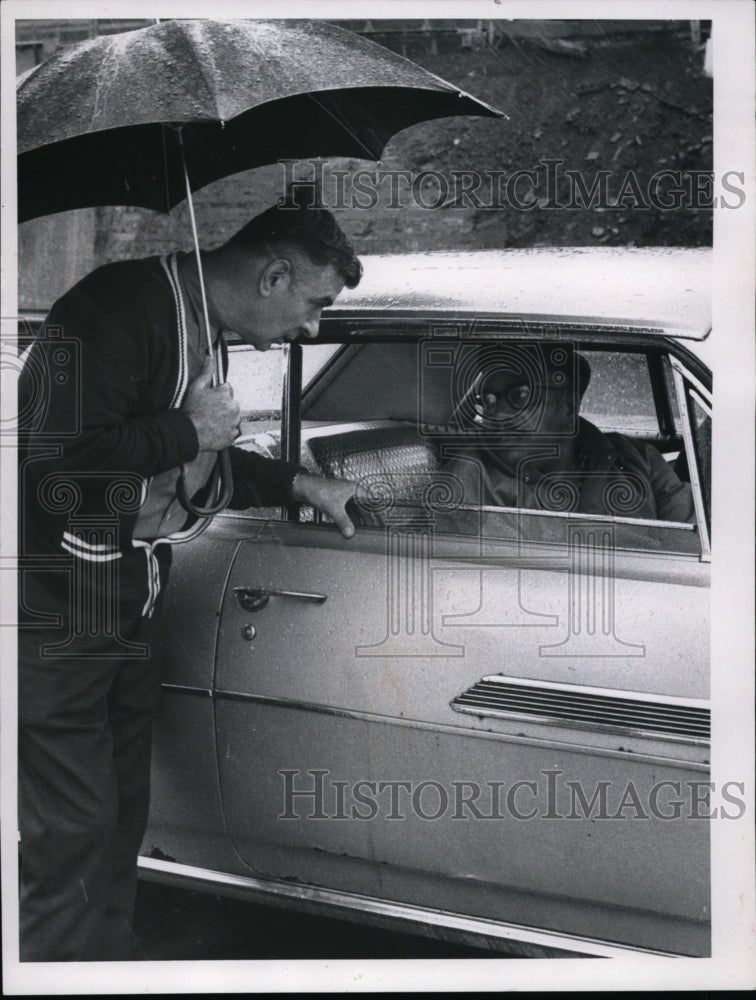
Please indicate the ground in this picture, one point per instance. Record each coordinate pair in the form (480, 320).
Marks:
(173, 924)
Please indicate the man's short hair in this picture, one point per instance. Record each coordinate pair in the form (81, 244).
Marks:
(296, 224)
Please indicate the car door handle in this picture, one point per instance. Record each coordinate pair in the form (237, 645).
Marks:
(255, 598)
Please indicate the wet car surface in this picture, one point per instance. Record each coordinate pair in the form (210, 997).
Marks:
(477, 720)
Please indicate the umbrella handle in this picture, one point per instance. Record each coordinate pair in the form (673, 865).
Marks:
(221, 483)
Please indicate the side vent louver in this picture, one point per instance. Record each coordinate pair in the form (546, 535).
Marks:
(564, 705)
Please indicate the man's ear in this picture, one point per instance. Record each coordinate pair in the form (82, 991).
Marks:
(275, 276)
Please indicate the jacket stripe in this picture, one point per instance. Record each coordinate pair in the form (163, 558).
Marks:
(81, 550)
(153, 575)
(170, 266)
(89, 546)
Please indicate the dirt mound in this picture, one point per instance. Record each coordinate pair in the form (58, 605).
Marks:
(622, 112)
(607, 112)
(595, 116)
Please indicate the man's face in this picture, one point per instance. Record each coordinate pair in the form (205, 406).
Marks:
(528, 414)
(290, 304)
(522, 405)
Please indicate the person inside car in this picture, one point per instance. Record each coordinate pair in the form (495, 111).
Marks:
(531, 448)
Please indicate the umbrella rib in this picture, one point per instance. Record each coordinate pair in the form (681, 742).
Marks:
(166, 172)
(341, 124)
(200, 67)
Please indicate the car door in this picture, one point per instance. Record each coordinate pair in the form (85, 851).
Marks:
(507, 722)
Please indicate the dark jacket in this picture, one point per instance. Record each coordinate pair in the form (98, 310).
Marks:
(612, 475)
(100, 397)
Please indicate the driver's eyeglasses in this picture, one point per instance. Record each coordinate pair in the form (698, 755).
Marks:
(514, 397)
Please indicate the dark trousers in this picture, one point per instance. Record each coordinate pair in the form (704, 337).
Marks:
(85, 723)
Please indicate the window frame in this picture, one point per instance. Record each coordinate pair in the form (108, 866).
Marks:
(685, 381)
(656, 349)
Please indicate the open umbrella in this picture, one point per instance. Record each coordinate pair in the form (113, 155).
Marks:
(148, 116)
(91, 119)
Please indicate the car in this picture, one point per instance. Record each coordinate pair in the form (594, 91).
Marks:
(488, 725)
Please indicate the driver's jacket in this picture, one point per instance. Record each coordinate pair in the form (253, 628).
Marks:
(99, 406)
(612, 475)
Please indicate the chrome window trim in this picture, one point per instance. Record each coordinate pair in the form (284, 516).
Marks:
(695, 382)
(523, 511)
(703, 403)
(382, 326)
(680, 375)
(579, 515)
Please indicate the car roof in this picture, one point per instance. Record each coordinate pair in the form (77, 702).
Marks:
(665, 290)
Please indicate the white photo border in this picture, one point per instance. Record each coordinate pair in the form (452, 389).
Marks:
(733, 961)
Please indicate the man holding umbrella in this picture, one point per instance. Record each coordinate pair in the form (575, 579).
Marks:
(102, 505)
(145, 117)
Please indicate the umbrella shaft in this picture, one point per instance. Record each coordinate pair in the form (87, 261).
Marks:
(217, 374)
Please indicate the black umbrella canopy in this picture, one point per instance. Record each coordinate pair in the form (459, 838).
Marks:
(92, 119)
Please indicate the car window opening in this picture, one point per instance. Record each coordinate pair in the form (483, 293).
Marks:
(385, 412)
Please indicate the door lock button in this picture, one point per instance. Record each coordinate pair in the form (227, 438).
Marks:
(248, 632)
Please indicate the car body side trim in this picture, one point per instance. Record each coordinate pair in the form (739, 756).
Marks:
(401, 912)
(187, 689)
(346, 713)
